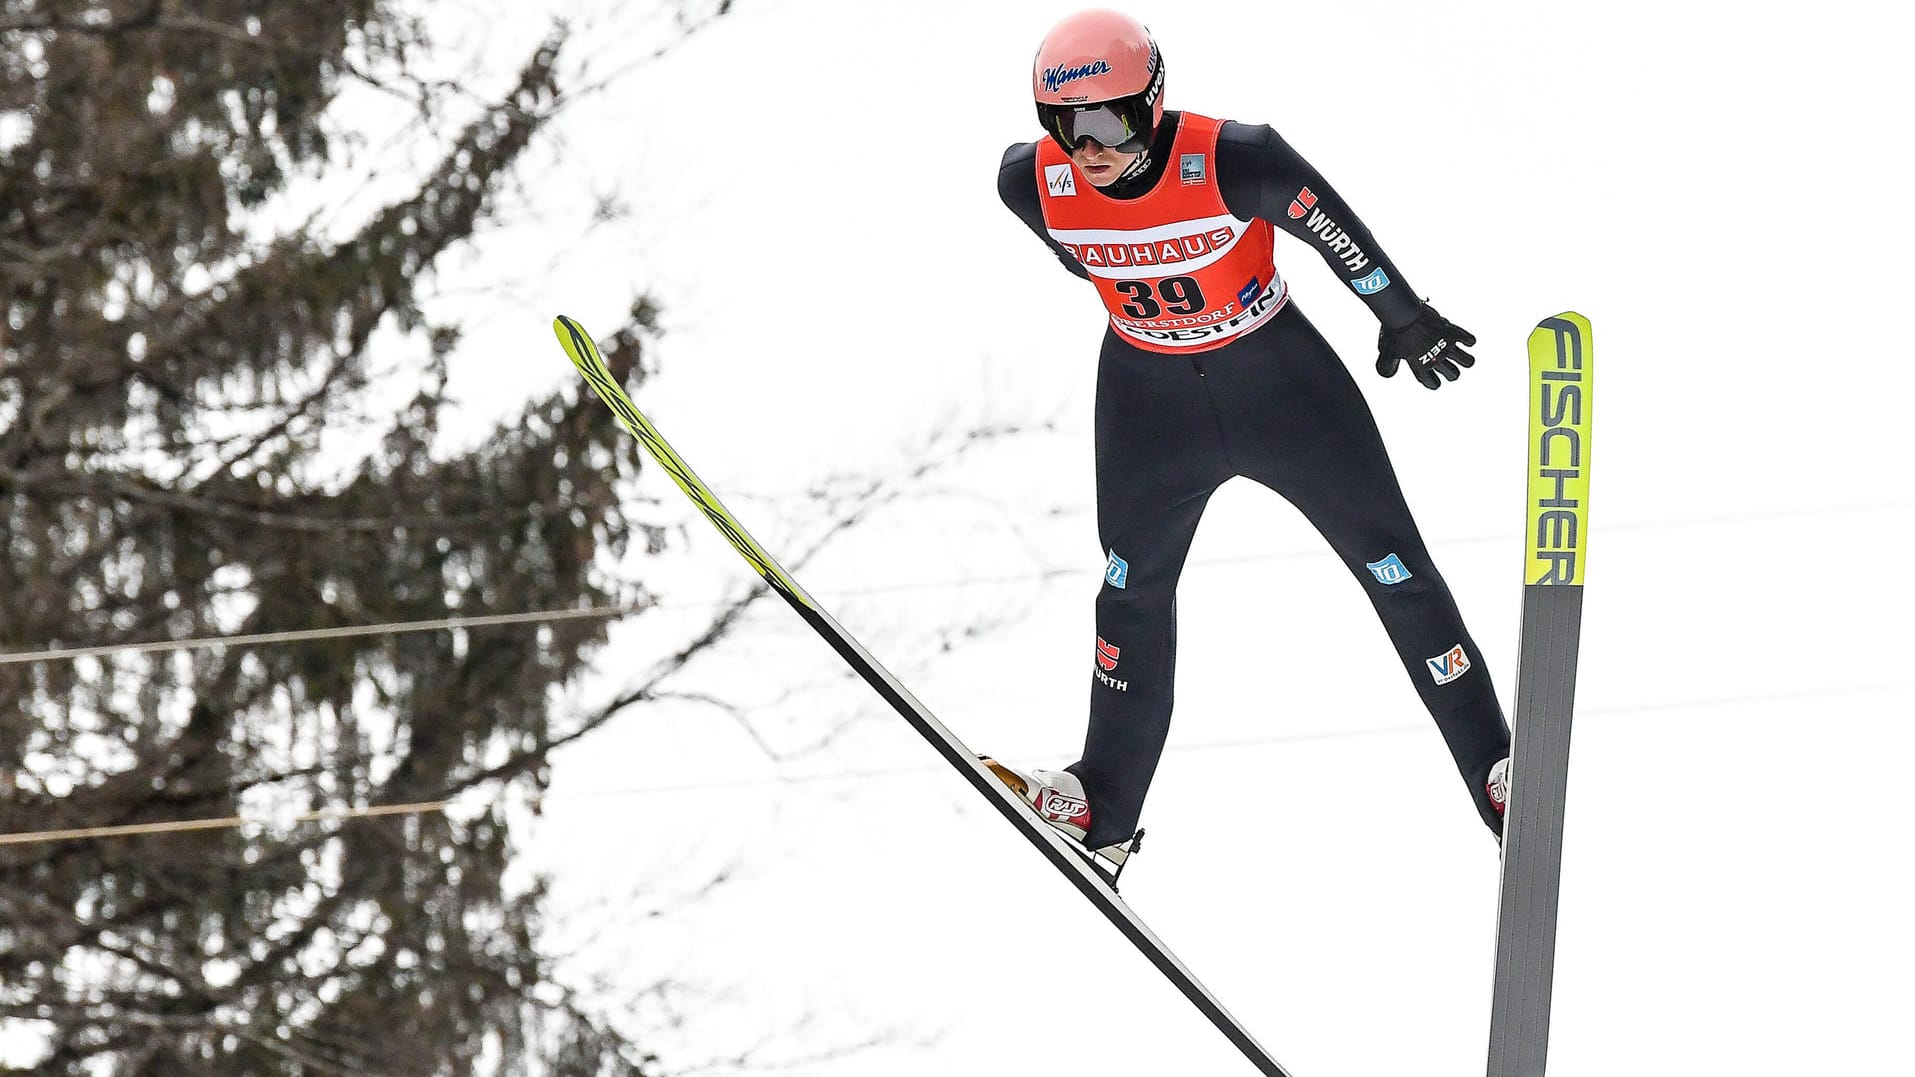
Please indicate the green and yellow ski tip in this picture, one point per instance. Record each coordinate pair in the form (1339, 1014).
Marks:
(1561, 356)
(585, 355)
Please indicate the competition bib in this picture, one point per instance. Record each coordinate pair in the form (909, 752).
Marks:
(1177, 272)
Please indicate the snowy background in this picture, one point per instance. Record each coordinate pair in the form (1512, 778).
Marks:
(1720, 188)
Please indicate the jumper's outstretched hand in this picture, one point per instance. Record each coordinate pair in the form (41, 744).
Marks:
(1432, 345)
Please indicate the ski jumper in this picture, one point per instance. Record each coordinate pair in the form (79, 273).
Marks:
(1208, 371)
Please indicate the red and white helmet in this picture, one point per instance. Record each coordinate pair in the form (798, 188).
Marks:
(1098, 75)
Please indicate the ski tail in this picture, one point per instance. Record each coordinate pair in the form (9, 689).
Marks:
(1077, 868)
(1561, 373)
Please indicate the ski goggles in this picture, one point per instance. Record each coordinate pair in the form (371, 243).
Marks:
(1119, 125)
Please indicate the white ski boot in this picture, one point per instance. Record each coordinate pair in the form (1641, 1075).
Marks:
(1498, 787)
(1058, 798)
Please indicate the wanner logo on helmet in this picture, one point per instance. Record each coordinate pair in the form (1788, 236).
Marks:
(1055, 77)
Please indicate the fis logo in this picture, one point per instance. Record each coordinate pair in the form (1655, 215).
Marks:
(1059, 180)
(1303, 203)
(1389, 571)
(1372, 284)
(1116, 571)
(1192, 169)
(1449, 666)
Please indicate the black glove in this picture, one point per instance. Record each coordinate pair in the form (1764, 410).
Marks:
(1432, 345)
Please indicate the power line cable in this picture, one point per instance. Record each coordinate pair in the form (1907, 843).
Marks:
(225, 822)
(57, 654)
(1265, 741)
(31, 837)
(258, 639)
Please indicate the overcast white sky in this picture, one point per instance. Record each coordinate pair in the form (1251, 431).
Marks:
(1717, 187)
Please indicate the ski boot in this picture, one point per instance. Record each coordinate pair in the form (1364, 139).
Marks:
(1498, 788)
(1058, 798)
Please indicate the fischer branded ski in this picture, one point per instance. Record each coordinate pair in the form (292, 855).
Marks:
(1560, 370)
(1089, 879)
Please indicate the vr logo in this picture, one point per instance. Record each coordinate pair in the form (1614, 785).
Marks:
(1449, 666)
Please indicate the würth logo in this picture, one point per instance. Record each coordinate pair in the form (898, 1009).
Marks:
(1341, 243)
(1302, 204)
(1107, 660)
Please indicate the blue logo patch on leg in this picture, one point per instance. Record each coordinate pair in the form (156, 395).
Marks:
(1116, 571)
(1389, 571)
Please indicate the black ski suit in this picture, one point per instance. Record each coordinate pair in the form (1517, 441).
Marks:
(1275, 405)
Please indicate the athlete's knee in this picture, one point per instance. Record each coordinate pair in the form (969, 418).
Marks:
(1134, 603)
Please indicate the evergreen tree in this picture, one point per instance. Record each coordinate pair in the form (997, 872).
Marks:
(167, 379)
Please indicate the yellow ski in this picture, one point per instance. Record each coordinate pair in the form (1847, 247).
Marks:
(1561, 357)
(1088, 878)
